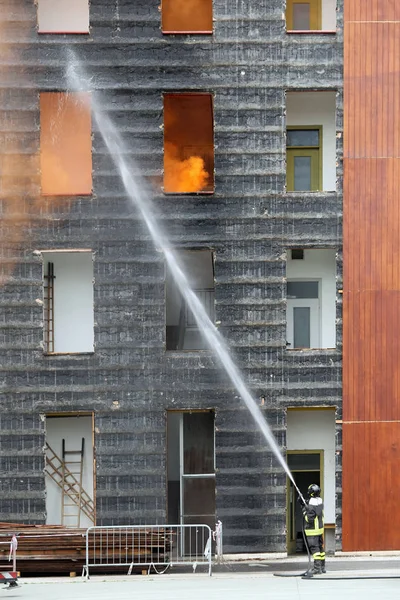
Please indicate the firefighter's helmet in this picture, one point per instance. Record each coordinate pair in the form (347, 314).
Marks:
(314, 490)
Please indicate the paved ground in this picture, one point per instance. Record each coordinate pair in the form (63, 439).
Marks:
(228, 585)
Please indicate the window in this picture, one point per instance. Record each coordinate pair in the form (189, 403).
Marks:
(303, 15)
(63, 16)
(303, 159)
(65, 143)
(182, 332)
(191, 467)
(188, 143)
(187, 16)
(311, 141)
(311, 300)
(68, 302)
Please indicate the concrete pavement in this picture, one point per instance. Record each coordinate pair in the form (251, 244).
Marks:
(198, 586)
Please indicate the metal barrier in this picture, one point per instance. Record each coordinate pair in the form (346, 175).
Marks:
(150, 546)
(10, 577)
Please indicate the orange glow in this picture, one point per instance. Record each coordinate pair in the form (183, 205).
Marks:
(65, 143)
(187, 16)
(188, 143)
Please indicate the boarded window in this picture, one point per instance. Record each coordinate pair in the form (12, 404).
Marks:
(63, 16)
(188, 143)
(65, 143)
(187, 16)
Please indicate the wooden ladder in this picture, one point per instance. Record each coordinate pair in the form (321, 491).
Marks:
(67, 473)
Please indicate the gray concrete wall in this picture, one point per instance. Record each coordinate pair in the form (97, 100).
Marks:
(249, 222)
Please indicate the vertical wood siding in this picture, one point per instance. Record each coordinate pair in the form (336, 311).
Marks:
(371, 253)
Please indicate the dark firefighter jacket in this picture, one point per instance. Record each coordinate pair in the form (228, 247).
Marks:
(313, 514)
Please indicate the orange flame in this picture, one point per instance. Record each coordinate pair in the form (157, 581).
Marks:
(187, 175)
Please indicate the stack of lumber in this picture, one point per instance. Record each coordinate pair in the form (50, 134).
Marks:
(57, 549)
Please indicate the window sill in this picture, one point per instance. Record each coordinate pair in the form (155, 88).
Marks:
(63, 32)
(205, 32)
(200, 193)
(332, 349)
(311, 31)
(90, 353)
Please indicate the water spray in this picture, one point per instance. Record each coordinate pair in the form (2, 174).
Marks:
(136, 190)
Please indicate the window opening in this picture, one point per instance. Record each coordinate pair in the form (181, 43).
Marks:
(69, 470)
(65, 143)
(182, 332)
(187, 16)
(68, 302)
(303, 15)
(191, 467)
(188, 143)
(63, 16)
(303, 149)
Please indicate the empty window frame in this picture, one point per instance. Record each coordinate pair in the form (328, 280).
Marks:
(68, 302)
(303, 156)
(182, 332)
(303, 15)
(65, 143)
(311, 299)
(63, 16)
(187, 16)
(188, 143)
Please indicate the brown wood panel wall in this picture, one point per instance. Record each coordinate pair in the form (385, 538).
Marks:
(371, 252)
(372, 518)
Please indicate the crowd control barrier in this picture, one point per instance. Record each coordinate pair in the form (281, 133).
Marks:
(159, 547)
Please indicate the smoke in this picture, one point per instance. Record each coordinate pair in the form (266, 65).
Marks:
(186, 175)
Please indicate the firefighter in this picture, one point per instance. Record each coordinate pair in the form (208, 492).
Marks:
(313, 513)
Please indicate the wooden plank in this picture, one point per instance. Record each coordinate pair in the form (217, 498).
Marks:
(365, 520)
(371, 290)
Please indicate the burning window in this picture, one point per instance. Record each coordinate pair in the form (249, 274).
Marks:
(188, 143)
(65, 143)
(187, 16)
(63, 16)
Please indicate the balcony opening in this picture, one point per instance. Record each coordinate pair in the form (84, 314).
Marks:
(188, 143)
(65, 143)
(63, 16)
(311, 141)
(311, 300)
(187, 16)
(68, 302)
(310, 15)
(182, 332)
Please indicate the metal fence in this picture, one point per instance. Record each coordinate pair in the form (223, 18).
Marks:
(152, 546)
(10, 576)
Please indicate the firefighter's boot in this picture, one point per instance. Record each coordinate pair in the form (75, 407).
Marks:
(317, 568)
(323, 569)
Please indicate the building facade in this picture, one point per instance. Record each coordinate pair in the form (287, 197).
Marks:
(232, 113)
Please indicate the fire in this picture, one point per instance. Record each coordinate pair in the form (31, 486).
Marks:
(188, 175)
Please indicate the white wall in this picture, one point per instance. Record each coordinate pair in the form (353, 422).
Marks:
(63, 16)
(329, 15)
(73, 300)
(315, 430)
(319, 264)
(317, 108)
(72, 429)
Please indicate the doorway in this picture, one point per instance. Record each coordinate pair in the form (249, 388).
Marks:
(191, 467)
(306, 468)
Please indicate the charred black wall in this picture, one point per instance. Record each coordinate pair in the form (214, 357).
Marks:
(130, 381)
